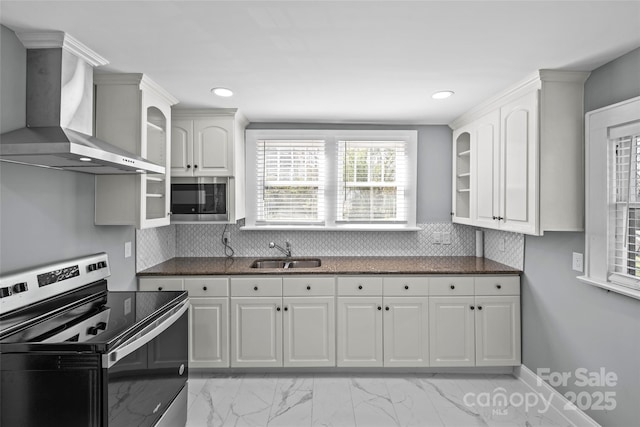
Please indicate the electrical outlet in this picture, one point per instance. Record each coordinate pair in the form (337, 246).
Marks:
(501, 244)
(226, 237)
(578, 262)
(437, 238)
(127, 249)
(446, 238)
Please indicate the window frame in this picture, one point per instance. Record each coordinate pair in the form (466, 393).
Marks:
(601, 127)
(331, 138)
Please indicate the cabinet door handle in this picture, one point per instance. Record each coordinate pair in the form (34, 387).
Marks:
(406, 287)
(472, 307)
(286, 308)
(255, 288)
(359, 286)
(379, 307)
(204, 288)
(499, 286)
(159, 288)
(387, 308)
(479, 307)
(277, 308)
(195, 166)
(494, 217)
(453, 286)
(308, 287)
(188, 166)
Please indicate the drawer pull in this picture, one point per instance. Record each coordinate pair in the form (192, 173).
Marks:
(277, 308)
(406, 287)
(479, 307)
(204, 288)
(255, 288)
(159, 288)
(499, 286)
(308, 287)
(472, 307)
(387, 308)
(359, 286)
(453, 286)
(379, 307)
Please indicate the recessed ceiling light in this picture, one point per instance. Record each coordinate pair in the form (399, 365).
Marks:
(222, 91)
(84, 159)
(442, 94)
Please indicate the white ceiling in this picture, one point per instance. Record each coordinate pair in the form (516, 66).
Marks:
(339, 61)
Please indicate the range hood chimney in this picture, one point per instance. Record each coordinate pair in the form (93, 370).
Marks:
(60, 112)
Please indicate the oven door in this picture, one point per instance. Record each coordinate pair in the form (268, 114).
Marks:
(199, 199)
(147, 373)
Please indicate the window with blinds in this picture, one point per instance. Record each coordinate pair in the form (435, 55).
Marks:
(372, 179)
(624, 212)
(290, 181)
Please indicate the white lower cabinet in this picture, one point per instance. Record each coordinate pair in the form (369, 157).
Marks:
(360, 331)
(309, 331)
(451, 333)
(478, 325)
(381, 328)
(293, 324)
(375, 321)
(406, 331)
(256, 331)
(497, 330)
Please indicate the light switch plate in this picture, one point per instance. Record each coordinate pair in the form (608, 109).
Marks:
(127, 249)
(578, 262)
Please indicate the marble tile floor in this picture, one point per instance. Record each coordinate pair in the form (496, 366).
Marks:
(366, 401)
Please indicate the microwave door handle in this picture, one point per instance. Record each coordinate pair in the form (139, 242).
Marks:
(162, 324)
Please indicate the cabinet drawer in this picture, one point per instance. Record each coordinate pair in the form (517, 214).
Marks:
(450, 286)
(405, 286)
(498, 285)
(308, 286)
(160, 284)
(359, 285)
(207, 286)
(256, 287)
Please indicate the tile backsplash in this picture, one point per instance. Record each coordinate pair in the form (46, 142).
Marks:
(157, 245)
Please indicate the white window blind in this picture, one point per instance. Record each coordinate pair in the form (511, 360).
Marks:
(372, 181)
(624, 212)
(290, 181)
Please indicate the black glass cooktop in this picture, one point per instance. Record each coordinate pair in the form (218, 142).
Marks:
(99, 324)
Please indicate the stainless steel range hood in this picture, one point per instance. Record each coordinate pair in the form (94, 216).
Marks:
(59, 112)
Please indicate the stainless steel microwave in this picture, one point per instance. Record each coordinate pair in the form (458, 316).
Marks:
(199, 199)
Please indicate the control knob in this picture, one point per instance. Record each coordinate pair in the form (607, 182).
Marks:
(5, 292)
(19, 287)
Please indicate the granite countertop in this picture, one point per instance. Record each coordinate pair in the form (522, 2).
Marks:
(203, 266)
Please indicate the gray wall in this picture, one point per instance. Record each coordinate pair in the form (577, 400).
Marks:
(434, 164)
(47, 215)
(567, 324)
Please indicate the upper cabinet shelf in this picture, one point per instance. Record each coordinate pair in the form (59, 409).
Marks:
(525, 157)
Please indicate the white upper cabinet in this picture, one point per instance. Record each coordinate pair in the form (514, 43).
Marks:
(208, 143)
(134, 113)
(526, 157)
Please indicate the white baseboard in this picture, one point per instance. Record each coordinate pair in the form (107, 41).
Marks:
(575, 415)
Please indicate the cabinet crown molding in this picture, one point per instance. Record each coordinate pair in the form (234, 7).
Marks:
(60, 39)
(137, 79)
(533, 81)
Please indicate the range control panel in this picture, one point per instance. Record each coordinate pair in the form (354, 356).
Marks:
(29, 286)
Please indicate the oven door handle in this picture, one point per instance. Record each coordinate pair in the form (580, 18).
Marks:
(159, 327)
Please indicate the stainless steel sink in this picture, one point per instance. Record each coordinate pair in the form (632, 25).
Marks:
(287, 263)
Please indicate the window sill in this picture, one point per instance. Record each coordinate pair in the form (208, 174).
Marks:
(359, 227)
(623, 290)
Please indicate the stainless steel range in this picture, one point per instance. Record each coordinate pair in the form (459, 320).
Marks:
(74, 354)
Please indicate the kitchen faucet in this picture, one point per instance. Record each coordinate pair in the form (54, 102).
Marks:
(286, 251)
